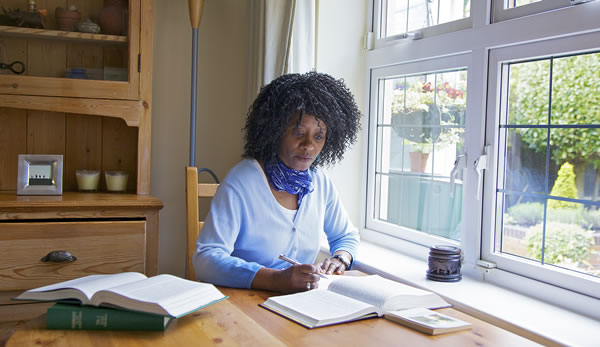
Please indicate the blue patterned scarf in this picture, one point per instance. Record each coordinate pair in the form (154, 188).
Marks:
(291, 180)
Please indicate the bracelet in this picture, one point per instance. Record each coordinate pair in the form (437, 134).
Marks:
(343, 259)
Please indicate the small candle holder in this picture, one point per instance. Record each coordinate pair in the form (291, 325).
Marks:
(444, 264)
(87, 180)
(116, 181)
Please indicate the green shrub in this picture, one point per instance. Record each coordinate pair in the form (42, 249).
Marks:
(564, 187)
(565, 243)
(565, 215)
(591, 218)
(528, 213)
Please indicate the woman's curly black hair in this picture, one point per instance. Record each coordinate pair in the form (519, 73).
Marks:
(312, 93)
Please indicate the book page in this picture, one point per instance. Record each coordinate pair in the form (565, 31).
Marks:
(379, 291)
(87, 286)
(162, 294)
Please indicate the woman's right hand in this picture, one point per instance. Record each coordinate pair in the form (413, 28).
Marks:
(296, 278)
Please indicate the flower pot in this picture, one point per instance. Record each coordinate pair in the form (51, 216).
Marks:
(418, 161)
(67, 20)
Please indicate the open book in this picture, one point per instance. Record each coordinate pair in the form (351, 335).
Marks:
(165, 295)
(348, 298)
(427, 321)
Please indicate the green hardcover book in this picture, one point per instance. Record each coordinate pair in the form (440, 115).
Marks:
(83, 317)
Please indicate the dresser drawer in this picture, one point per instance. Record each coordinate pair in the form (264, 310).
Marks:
(101, 247)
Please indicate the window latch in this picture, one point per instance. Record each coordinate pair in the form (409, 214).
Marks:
(481, 164)
(459, 164)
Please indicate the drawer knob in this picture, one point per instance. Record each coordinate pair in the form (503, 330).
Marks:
(59, 257)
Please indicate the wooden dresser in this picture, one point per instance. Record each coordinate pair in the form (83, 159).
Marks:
(87, 97)
(107, 233)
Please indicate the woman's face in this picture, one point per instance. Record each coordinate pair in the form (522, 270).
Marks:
(301, 143)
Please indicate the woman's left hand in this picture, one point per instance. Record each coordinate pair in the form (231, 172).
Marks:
(335, 265)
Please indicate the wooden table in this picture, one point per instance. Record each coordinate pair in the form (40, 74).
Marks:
(240, 321)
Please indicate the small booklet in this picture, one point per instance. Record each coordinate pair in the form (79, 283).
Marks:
(348, 298)
(165, 295)
(427, 321)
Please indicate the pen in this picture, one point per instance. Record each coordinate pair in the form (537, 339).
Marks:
(295, 262)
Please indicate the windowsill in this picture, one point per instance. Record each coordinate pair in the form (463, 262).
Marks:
(531, 318)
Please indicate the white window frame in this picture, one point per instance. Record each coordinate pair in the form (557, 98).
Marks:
(439, 29)
(454, 62)
(578, 282)
(477, 42)
(501, 13)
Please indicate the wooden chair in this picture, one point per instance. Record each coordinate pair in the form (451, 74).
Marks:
(194, 190)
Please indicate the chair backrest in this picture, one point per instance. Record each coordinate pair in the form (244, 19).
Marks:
(193, 191)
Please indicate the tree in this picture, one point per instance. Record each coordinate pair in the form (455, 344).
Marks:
(564, 187)
(575, 99)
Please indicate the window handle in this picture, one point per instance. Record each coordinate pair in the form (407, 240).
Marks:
(480, 164)
(459, 164)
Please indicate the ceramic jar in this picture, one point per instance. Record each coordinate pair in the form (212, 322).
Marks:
(113, 17)
(87, 26)
(444, 264)
(67, 19)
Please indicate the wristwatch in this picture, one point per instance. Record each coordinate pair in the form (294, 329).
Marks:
(343, 259)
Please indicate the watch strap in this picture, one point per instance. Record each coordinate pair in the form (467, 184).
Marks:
(343, 259)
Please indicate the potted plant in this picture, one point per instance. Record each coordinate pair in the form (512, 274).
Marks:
(424, 118)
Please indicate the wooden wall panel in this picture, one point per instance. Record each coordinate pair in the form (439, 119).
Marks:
(83, 147)
(115, 56)
(45, 132)
(11, 50)
(13, 128)
(15, 4)
(88, 57)
(47, 58)
(119, 149)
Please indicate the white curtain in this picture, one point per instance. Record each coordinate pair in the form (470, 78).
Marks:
(281, 40)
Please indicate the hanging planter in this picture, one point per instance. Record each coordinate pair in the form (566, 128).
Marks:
(418, 126)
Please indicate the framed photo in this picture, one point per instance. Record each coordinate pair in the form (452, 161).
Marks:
(40, 174)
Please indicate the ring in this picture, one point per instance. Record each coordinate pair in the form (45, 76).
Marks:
(308, 285)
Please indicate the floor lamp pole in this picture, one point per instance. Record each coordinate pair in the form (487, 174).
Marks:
(195, 16)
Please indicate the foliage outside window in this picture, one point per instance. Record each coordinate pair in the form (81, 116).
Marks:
(428, 112)
(552, 141)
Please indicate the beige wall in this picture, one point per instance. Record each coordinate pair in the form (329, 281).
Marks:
(222, 66)
(340, 53)
(222, 106)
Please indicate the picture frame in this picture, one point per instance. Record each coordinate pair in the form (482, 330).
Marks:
(40, 174)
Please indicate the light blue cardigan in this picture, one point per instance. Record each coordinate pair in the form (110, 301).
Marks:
(246, 228)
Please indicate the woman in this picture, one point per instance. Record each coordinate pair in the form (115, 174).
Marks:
(277, 200)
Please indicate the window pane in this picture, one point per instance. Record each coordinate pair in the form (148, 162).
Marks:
(417, 150)
(529, 85)
(520, 213)
(574, 150)
(575, 85)
(517, 3)
(525, 167)
(568, 241)
(549, 187)
(403, 16)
